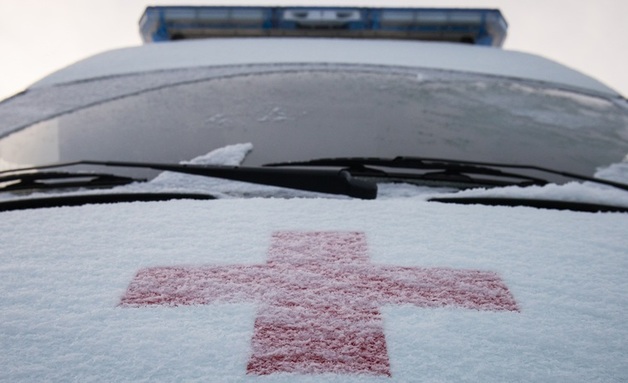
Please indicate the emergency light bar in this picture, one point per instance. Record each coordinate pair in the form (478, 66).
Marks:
(474, 26)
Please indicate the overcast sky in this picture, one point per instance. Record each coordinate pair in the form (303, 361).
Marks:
(38, 37)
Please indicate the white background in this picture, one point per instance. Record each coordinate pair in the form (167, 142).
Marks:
(38, 37)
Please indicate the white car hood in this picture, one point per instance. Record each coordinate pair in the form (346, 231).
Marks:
(74, 304)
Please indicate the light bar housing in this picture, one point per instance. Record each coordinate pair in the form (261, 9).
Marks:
(474, 26)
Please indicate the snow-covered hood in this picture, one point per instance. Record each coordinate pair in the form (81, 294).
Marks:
(305, 290)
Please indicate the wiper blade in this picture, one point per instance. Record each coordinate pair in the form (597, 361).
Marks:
(90, 199)
(538, 203)
(322, 181)
(440, 171)
(453, 168)
(60, 180)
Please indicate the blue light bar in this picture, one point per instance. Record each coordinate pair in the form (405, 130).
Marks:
(475, 26)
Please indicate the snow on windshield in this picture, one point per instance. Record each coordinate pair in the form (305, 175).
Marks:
(233, 155)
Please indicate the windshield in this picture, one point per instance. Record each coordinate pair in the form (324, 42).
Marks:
(295, 113)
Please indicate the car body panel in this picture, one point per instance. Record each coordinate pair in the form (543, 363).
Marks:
(66, 270)
(234, 51)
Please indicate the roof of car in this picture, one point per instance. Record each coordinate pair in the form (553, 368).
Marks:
(243, 51)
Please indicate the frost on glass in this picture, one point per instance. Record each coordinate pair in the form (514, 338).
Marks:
(292, 113)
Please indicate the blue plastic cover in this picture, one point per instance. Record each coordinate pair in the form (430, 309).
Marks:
(474, 26)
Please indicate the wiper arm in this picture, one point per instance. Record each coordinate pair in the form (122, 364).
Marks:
(442, 171)
(57, 180)
(452, 167)
(576, 176)
(323, 181)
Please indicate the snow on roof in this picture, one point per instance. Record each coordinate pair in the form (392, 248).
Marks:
(234, 51)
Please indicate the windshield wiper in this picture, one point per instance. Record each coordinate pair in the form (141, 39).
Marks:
(100, 198)
(323, 181)
(446, 170)
(62, 180)
(538, 203)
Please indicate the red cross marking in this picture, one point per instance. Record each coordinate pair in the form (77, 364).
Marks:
(319, 300)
